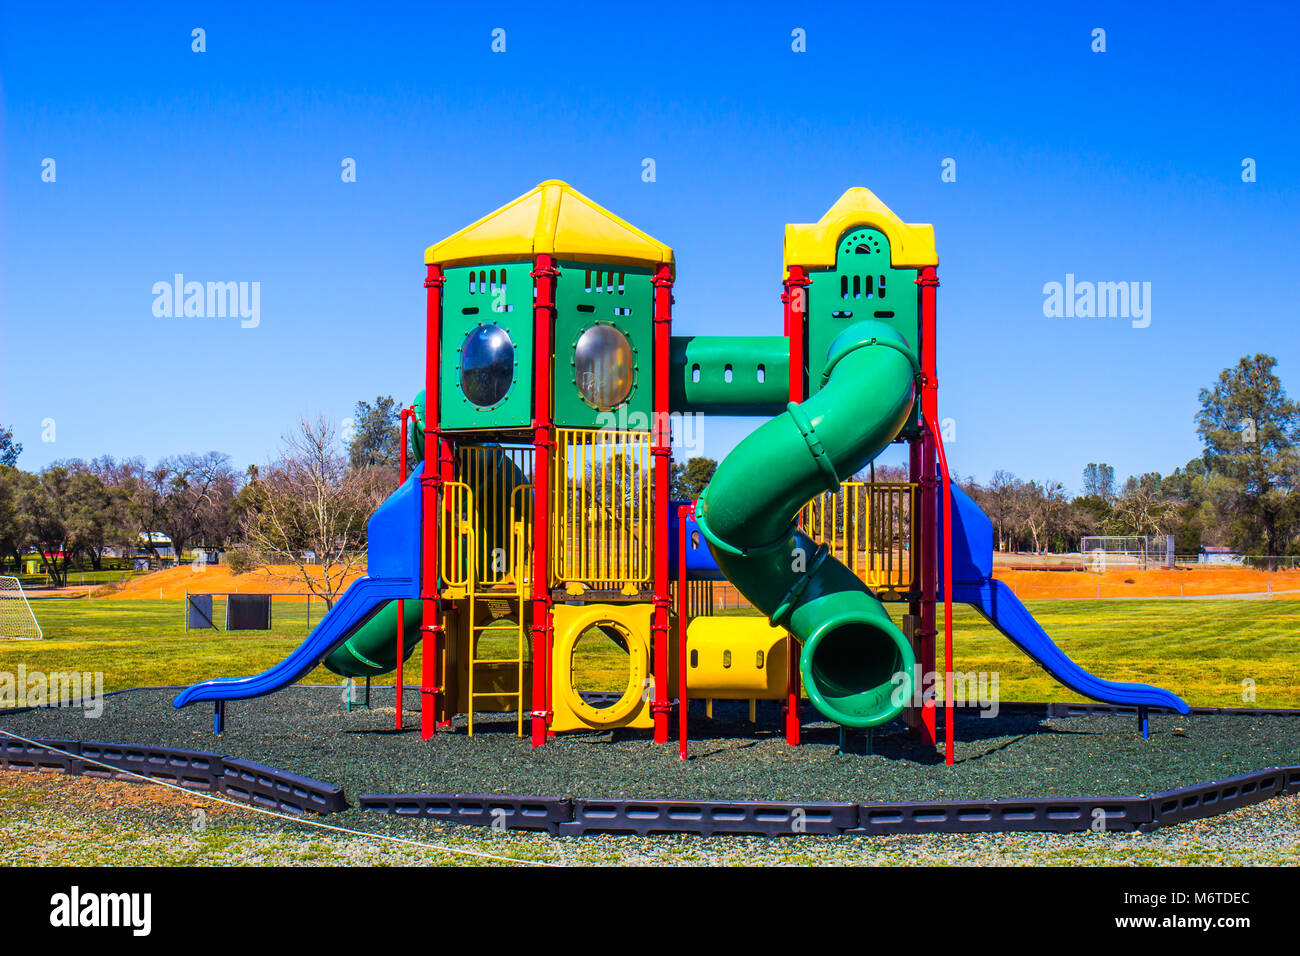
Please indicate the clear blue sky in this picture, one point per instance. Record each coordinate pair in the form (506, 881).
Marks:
(225, 165)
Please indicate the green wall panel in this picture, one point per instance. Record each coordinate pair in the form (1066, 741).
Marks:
(589, 294)
(500, 294)
(863, 285)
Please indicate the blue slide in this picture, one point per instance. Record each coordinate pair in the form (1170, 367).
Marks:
(973, 584)
(393, 542)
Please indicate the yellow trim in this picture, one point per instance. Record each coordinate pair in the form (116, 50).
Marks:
(630, 710)
(812, 245)
(552, 218)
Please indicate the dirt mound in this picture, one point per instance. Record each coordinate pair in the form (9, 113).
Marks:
(1162, 582)
(215, 579)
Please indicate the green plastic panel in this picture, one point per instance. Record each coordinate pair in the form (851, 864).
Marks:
(590, 294)
(500, 294)
(862, 286)
(730, 374)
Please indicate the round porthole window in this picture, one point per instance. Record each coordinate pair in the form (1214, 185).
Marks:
(487, 365)
(602, 364)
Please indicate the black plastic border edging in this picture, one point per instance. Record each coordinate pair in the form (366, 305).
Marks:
(232, 777)
(562, 816)
(287, 792)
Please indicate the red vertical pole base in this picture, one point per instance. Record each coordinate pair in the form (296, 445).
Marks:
(792, 723)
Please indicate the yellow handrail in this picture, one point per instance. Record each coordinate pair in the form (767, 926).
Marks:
(456, 544)
(869, 527)
(601, 530)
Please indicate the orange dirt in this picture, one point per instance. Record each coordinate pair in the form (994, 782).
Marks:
(1180, 582)
(1028, 585)
(215, 579)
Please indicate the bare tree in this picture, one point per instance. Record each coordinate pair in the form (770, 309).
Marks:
(1144, 508)
(307, 508)
(198, 505)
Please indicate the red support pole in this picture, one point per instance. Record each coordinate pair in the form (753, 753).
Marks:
(446, 473)
(544, 273)
(662, 455)
(431, 491)
(947, 598)
(928, 282)
(795, 299)
(914, 715)
(683, 619)
(401, 620)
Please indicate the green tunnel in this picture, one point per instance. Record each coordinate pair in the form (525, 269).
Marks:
(857, 666)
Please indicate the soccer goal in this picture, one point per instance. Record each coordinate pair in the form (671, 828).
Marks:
(1127, 551)
(17, 620)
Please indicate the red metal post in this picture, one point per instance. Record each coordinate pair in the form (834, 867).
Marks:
(662, 454)
(928, 540)
(446, 707)
(544, 274)
(431, 489)
(913, 715)
(795, 299)
(401, 620)
(683, 619)
(946, 491)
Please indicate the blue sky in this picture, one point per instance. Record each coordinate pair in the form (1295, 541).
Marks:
(225, 166)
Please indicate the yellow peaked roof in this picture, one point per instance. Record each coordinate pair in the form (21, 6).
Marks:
(911, 245)
(553, 218)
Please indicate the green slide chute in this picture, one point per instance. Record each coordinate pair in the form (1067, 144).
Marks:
(857, 666)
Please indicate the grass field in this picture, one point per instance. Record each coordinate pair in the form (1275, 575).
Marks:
(1204, 650)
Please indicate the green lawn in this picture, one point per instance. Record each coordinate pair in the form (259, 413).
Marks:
(1203, 650)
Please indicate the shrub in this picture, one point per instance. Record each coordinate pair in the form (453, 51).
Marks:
(241, 559)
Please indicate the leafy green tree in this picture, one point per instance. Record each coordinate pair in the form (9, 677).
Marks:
(1250, 429)
(690, 479)
(63, 510)
(1095, 514)
(376, 434)
(11, 527)
(9, 449)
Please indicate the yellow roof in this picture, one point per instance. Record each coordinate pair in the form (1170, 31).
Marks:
(911, 245)
(553, 218)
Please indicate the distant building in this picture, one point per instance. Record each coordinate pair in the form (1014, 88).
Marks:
(1214, 555)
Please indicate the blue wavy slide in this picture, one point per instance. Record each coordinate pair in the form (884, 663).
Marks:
(973, 584)
(393, 543)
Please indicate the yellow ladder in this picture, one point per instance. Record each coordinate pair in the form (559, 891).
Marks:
(476, 630)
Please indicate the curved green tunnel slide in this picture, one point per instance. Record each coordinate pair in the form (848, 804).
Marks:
(857, 666)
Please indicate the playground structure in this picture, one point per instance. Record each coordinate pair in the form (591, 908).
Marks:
(538, 509)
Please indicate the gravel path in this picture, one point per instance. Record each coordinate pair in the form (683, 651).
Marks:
(49, 819)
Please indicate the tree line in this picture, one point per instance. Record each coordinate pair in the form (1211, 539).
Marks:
(310, 502)
(307, 506)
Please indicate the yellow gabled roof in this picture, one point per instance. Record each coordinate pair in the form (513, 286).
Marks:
(553, 218)
(911, 245)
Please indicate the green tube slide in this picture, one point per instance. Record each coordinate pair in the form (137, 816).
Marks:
(857, 666)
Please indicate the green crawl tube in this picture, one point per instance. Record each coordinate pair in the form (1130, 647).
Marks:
(857, 666)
